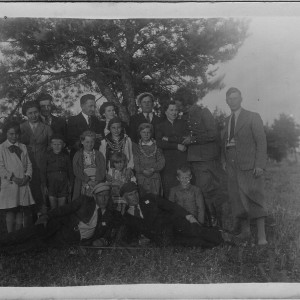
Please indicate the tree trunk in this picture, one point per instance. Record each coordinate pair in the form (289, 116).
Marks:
(128, 91)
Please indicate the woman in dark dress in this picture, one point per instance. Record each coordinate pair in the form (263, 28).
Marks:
(169, 136)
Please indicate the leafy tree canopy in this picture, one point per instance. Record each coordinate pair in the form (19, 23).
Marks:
(117, 59)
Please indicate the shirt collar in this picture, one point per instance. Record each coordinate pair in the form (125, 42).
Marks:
(147, 144)
(10, 144)
(85, 116)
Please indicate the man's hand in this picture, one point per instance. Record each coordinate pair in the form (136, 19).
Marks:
(92, 183)
(224, 165)
(17, 180)
(187, 140)
(165, 138)
(257, 172)
(181, 147)
(42, 220)
(25, 180)
(191, 219)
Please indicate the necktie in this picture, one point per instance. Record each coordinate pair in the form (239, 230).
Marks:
(232, 125)
(89, 121)
(15, 149)
(148, 118)
(137, 212)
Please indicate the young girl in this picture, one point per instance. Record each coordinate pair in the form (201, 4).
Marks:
(15, 173)
(116, 141)
(88, 166)
(117, 176)
(148, 161)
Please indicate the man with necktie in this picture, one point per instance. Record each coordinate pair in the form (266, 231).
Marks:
(86, 120)
(244, 158)
(165, 222)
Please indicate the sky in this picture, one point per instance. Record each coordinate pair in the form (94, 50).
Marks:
(266, 68)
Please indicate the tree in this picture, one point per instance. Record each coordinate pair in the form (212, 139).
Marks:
(115, 58)
(282, 137)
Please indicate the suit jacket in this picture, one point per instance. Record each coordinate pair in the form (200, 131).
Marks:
(59, 125)
(136, 121)
(250, 140)
(204, 134)
(82, 209)
(76, 126)
(37, 143)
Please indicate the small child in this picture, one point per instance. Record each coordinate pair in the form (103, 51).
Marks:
(88, 166)
(117, 176)
(56, 172)
(15, 173)
(188, 196)
(116, 141)
(148, 161)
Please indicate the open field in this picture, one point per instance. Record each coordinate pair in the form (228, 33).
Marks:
(279, 261)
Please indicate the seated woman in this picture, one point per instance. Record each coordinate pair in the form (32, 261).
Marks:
(116, 141)
(88, 218)
(108, 111)
(148, 161)
(88, 166)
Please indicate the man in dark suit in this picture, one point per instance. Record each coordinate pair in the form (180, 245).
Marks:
(204, 156)
(145, 101)
(165, 222)
(244, 158)
(86, 219)
(86, 120)
(57, 124)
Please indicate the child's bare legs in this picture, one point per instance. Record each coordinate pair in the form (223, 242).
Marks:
(53, 202)
(261, 233)
(10, 221)
(61, 201)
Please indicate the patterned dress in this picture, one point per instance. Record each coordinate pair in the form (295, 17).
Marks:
(89, 168)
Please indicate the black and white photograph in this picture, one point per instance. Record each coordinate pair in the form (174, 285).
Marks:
(149, 150)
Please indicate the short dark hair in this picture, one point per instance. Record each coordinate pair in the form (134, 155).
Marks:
(118, 157)
(144, 126)
(167, 104)
(87, 133)
(107, 104)
(233, 90)
(87, 97)
(11, 124)
(184, 169)
(29, 104)
(43, 96)
(57, 136)
(113, 121)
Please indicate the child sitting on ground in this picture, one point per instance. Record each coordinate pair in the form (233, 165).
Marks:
(88, 166)
(188, 196)
(117, 176)
(148, 161)
(56, 172)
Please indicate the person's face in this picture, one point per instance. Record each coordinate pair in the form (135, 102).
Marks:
(119, 165)
(12, 135)
(115, 129)
(132, 198)
(184, 178)
(89, 107)
(33, 114)
(234, 101)
(88, 143)
(172, 112)
(57, 145)
(145, 135)
(147, 104)
(102, 199)
(109, 112)
(46, 108)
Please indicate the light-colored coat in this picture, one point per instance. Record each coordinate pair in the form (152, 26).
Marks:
(12, 195)
(250, 141)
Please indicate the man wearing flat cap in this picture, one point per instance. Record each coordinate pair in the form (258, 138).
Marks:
(146, 102)
(83, 221)
(165, 222)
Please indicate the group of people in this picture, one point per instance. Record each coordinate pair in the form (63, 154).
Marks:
(165, 179)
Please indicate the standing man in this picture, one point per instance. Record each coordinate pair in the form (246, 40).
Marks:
(146, 102)
(86, 120)
(245, 158)
(204, 156)
(57, 124)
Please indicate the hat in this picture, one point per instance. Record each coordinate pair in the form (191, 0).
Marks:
(141, 96)
(127, 188)
(113, 121)
(101, 187)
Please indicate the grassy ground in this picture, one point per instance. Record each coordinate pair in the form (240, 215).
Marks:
(277, 262)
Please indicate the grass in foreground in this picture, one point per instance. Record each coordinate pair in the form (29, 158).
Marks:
(276, 262)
